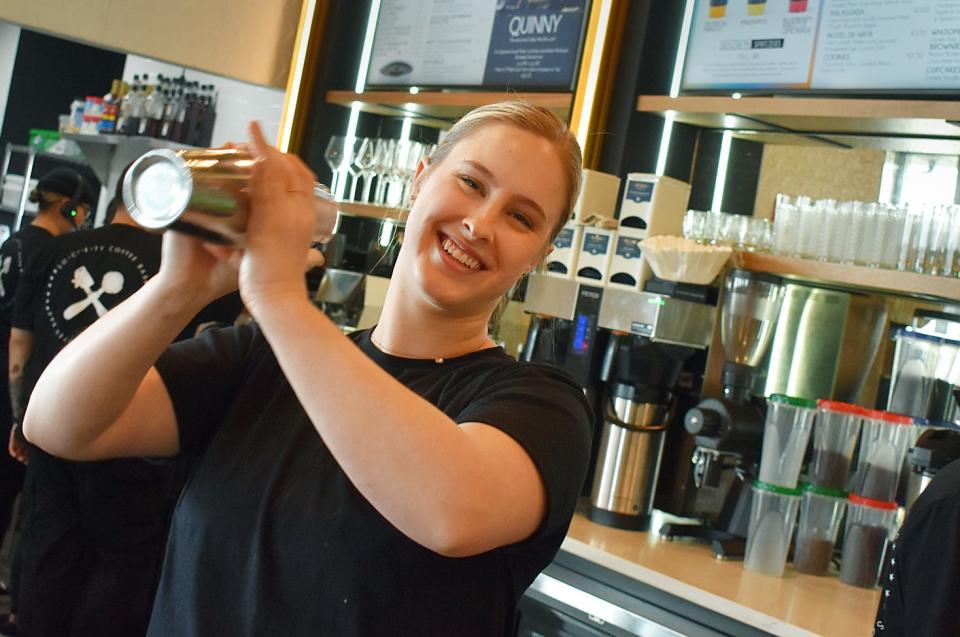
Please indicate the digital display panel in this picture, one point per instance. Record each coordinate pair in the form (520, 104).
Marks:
(907, 46)
(515, 44)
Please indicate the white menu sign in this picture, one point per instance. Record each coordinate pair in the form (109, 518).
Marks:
(824, 45)
(431, 42)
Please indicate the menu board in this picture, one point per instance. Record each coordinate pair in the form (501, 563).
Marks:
(824, 45)
(529, 44)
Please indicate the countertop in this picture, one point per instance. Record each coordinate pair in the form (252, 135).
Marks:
(795, 605)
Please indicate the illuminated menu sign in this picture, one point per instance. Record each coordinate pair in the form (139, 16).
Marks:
(490, 43)
(827, 45)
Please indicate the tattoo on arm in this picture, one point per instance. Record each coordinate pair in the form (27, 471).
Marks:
(17, 402)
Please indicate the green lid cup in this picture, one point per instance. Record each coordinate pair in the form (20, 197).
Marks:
(773, 513)
(786, 433)
(821, 512)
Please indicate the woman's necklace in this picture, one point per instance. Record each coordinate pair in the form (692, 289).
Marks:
(386, 350)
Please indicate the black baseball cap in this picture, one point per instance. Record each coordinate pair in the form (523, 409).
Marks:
(66, 182)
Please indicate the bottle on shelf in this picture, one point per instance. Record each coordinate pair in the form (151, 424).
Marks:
(154, 105)
(108, 118)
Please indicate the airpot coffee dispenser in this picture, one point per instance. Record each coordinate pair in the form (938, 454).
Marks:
(728, 430)
(638, 406)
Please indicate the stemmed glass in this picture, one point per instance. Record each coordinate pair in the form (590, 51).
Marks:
(365, 161)
(386, 149)
(336, 156)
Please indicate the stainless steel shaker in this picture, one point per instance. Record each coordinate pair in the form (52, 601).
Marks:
(203, 192)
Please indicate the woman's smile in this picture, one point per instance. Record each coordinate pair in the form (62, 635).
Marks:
(463, 258)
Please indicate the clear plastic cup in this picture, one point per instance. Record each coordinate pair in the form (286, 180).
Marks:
(883, 447)
(786, 433)
(773, 513)
(925, 370)
(821, 512)
(870, 524)
(834, 438)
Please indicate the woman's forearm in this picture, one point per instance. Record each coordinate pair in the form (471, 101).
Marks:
(94, 378)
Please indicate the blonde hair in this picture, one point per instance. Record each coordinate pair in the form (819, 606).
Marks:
(531, 118)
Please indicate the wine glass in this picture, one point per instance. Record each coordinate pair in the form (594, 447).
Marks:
(365, 161)
(384, 166)
(335, 157)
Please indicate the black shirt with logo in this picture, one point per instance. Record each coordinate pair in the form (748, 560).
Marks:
(79, 277)
(270, 537)
(16, 253)
(920, 583)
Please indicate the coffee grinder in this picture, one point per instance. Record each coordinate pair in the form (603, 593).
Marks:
(728, 430)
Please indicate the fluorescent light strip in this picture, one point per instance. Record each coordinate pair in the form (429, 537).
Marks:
(283, 143)
(361, 83)
(367, 47)
(720, 184)
(682, 49)
(405, 130)
(351, 136)
(596, 56)
(665, 142)
(675, 86)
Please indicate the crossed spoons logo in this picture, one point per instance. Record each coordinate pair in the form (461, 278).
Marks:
(87, 282)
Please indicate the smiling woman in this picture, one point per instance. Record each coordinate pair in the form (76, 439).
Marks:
(412, 479)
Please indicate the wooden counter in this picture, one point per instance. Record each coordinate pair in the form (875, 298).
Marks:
(794, 605)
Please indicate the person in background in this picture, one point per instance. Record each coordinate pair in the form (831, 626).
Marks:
(920, 586)
(64, 200)
(93, 533)
(411, 479)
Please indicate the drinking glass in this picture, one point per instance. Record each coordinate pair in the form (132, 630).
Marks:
(365, 160)
(911, 247)
(937, 239)
(952, 261)
(386, 149)
(336, 156)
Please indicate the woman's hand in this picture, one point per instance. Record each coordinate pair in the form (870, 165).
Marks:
(199, 272)
(280, 226)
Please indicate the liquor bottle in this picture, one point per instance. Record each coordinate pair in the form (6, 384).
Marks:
(208, 118)
(108, 118)
(154, 107)
(131, 106)
(191, 116)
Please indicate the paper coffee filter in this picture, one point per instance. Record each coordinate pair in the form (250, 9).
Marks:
(684, 260)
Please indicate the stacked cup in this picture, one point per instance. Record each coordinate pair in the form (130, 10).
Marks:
(824, 498)
(872, 509)
(776, 497)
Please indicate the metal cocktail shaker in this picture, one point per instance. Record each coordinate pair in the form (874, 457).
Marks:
(203, 192)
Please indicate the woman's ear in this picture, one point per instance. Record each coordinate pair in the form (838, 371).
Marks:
(533, 266)
(422, 166)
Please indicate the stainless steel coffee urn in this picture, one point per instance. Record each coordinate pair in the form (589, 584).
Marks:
(628, 460)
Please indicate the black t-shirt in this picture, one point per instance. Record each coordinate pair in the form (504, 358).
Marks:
(15, 255)
(77, 279)
(921, 581)
(271, 538)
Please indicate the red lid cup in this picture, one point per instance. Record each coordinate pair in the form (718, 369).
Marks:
(888, 416)
(846, 408)
(873, 504)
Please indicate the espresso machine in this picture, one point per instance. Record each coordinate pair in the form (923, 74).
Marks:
(727, 431)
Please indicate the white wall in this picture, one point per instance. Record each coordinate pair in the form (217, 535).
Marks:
(237, 104)
(9, 39)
